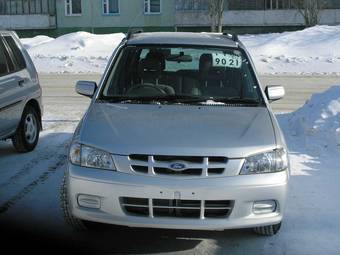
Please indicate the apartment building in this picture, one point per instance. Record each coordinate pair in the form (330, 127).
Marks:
(56, 17)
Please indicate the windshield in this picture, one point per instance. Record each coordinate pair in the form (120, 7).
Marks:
(181, 75)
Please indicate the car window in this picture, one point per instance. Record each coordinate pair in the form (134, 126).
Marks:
(19, 58)
(6, 65)
(212, 73)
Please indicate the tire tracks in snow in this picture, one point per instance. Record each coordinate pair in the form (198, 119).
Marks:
(27, 168)
(61, 161)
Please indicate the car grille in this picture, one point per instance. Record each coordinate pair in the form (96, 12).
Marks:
(193, 165)
(176, 208)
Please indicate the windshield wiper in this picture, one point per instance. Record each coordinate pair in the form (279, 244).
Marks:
(181, 99)
(238, 100)
(154, 99)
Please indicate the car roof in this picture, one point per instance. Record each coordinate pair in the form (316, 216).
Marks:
(6, 32)
(183, 38)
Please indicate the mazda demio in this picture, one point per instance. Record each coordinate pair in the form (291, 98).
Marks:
(179, 135)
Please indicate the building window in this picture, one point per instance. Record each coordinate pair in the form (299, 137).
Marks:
(110, 6)
(278, 4)
(73, 7)
(260, 4)
(152, 6)
(191, 5)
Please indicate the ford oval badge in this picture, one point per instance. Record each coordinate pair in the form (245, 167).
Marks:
(177, 166)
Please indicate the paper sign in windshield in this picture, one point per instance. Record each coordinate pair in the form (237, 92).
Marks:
(226, 60)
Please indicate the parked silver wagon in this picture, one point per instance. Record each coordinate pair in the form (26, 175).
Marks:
(180, 135)
(20, 95)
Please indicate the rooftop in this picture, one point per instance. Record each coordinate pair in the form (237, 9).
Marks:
(182, 38)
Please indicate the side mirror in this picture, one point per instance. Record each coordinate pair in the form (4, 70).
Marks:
(86, 88)
(275, 92)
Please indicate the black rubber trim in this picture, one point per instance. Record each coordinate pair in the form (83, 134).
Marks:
(10, 105)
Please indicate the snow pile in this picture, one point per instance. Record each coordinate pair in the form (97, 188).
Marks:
(36, 41)
(313, 50)
(317, 124)
(75, 53)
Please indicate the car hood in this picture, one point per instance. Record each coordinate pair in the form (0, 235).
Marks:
(125, 129)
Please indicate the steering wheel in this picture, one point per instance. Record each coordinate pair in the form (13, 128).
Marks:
(146, 90)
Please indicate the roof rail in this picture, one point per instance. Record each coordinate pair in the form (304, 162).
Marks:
(132, 32)
(233, 37)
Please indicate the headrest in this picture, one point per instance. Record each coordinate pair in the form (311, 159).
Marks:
(207, 71)
(154, 57)
(153, 62)
(150, 64)
(206, 61)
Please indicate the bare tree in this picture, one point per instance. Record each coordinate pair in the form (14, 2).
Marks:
(310, 10)
(216, 9)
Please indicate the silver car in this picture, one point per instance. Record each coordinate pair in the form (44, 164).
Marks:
(179, 135)
(20, 95)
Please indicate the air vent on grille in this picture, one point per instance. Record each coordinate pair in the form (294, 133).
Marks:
(194, 166)
(167, 171)
(140, 169)
(215, 171)
(136, 206)
(139, 157)
(177, 208)
(179, 158)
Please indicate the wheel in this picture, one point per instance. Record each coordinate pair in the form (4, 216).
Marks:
(268, 230)
(26, 137)
(75, 223)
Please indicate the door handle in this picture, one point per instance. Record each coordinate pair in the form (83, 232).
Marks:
(21, 83)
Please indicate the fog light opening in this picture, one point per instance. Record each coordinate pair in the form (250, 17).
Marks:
(89, 201)
(263, 207)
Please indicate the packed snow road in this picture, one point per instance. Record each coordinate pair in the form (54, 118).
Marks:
(29, 183)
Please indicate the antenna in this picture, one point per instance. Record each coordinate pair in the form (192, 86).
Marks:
(132, 32)
(233, 37)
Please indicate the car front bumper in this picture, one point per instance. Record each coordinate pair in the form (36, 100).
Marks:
(110, 186)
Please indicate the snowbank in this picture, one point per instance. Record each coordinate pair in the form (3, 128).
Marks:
(311, 51)
(314, 50)
(316, 125)
(75, 53)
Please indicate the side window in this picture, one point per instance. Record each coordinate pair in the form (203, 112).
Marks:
(110, 6)
(73, 7)
(6, 65)
(18, 57)
(152, 6)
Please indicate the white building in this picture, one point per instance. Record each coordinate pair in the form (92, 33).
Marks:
(252, 15)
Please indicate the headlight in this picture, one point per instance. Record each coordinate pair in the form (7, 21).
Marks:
(269, 162)
(86, 156)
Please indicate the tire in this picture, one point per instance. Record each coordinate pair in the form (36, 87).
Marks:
(26, 136)
(75, 223)
(268, 230)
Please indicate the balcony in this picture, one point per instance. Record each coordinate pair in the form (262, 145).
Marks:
(27, 14)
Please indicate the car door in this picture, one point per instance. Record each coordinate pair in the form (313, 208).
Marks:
(12, 98)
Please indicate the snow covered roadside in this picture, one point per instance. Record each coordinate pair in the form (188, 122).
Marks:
(312, 135)
(79, 52)
(311, 51)
(316, 125)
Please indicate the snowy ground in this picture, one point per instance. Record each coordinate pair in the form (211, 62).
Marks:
(29, 191)
(311, 51)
